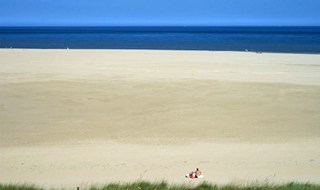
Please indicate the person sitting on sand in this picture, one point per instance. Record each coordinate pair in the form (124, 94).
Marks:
(192, 174)
(195, 174)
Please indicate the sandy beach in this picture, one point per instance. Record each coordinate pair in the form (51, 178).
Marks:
(76, 117)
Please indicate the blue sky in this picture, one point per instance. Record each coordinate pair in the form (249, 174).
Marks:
(159, 12)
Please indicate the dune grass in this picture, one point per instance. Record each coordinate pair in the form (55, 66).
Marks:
(20, 187)
(144, 185)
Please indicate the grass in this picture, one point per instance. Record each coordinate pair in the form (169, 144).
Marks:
(144, 185)
(19, 187)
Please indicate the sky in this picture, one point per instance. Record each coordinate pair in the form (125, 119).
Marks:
(159, 12)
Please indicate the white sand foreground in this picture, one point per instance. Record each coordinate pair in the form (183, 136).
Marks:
(76, 117)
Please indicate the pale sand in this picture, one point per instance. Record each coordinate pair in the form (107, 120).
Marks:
(71, 117)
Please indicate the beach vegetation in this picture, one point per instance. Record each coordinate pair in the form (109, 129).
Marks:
(163, 185)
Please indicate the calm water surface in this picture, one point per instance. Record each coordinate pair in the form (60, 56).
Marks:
(264, 39)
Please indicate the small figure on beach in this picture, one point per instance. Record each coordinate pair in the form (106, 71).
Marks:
(195, 174)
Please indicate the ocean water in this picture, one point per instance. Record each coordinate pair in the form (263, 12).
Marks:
(258, 39)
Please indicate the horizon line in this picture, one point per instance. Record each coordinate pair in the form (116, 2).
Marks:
(160, 26)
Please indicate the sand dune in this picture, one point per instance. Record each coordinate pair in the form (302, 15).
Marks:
(91, 116)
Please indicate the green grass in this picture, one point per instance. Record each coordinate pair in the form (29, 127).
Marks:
(19, 187)
(144, 185)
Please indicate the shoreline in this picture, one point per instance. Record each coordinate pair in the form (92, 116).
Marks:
(211, 65)
(183, 50)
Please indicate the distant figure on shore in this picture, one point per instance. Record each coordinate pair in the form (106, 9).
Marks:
(195, 174)
(198, 173)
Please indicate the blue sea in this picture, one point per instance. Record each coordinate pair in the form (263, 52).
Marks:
(257, 39)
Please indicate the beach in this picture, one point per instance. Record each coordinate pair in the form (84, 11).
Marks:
(75, 117)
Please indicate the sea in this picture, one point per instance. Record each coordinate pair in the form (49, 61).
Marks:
(255, 39)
